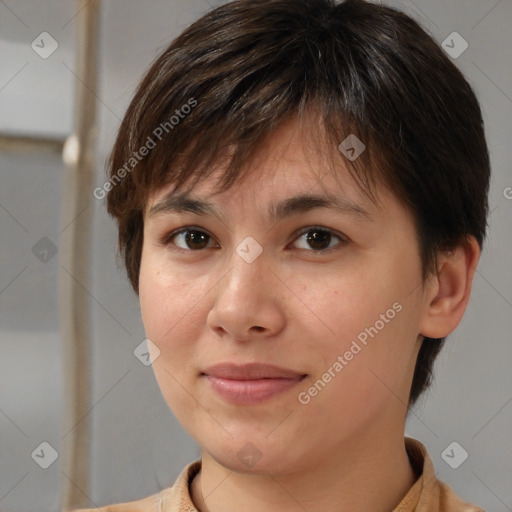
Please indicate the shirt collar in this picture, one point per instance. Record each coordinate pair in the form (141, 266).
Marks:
(426, 494)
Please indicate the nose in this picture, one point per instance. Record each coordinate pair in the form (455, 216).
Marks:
(248, 303)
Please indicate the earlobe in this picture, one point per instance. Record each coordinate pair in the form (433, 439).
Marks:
(449, 290)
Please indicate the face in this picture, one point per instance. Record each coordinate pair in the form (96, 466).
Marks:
(330, 297)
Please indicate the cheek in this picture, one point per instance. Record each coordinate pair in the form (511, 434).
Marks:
(356, 382)
(166, 298)
(169, 305)
(373, 319)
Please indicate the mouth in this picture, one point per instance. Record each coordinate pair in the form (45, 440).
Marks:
(250, 383)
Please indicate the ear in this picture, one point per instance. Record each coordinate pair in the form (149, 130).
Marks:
(447, 292)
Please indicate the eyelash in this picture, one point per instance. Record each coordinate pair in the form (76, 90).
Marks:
(167, 239)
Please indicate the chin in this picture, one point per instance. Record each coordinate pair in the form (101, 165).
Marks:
(252, 462)
(257, 456)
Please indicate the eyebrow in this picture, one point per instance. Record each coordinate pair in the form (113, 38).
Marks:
(180, 203)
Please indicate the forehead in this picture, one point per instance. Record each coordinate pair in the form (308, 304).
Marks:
(294, 160)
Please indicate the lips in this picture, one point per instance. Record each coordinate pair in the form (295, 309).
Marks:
(250, 383)
(250, 371)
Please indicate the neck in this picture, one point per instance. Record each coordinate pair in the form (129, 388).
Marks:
(370, 475)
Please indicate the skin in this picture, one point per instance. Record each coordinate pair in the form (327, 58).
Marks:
(297, 308)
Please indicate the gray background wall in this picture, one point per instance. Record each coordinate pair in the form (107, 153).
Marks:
(137, 445)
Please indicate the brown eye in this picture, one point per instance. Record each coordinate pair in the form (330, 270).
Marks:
(318, 239)
(196, 239)
(190, 239)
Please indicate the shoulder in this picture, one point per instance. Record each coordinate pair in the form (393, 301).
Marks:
(149, 504)
(450, 502)
(172, 499)
(429, 493)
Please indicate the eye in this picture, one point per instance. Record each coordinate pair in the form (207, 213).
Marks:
(189, 238)
(319, 238)
(195, 239)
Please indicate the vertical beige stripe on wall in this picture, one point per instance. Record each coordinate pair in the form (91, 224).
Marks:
(75, 251)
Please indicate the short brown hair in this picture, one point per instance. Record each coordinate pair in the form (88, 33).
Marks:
(367, 69)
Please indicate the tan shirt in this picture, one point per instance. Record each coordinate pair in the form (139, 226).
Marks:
(428, 494)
